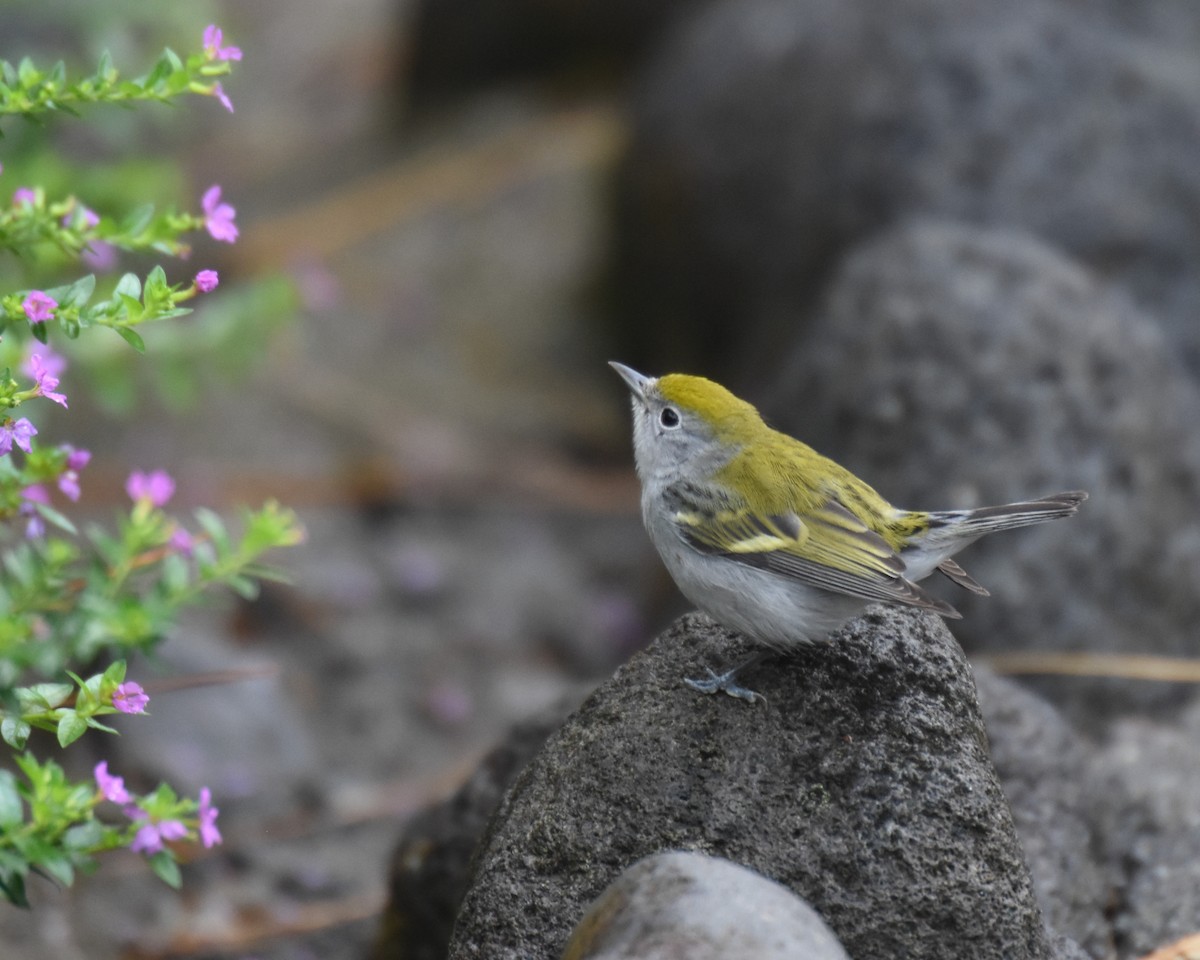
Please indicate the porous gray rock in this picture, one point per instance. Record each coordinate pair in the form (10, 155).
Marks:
(672, 906)
(1150, 797)
(863, 785)
(1047, 774)
(771, 135)
(427, 876)
(956, 366)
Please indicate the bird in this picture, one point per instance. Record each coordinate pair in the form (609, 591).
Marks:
(777, 542)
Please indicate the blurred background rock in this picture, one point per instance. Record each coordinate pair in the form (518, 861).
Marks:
(954, 244)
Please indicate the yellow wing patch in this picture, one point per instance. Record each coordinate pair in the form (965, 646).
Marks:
(828, 548)
(742, 532)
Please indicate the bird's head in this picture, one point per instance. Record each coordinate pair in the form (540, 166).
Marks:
(681, 421)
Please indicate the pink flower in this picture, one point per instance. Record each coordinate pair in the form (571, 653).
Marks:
(77, 459)
(212, 45)
(68, 480)
(183, 541)
(52, 362)
(34, 494)
(156, 488)
(150, 837)
(39, 306)
(23, 195)
(218, 216)
(129, 697)
(210, 836)
(100, 256)
(44, 380)
(20, 432)
(218, 91)
(112, 788)
(87, 217)
(207, 280)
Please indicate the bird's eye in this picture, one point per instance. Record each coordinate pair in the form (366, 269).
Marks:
(669, 417)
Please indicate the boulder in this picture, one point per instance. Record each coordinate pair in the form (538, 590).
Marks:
(863, 785)
(772, 135)
(674, 905)
(956, 366)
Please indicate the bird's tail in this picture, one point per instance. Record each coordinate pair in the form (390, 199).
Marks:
(949, 531)
(970, 524)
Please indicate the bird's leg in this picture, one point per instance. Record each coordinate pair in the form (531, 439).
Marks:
(726, 683)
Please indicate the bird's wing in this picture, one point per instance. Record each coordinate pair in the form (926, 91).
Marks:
(828, 547)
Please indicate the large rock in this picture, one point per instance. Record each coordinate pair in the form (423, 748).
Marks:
(1051, 784)
(1150, 791)
(675, 905)
(863, 785)
(954, 366)
(773, 134)
(428, 876)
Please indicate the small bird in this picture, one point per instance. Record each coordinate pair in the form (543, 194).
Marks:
(776, 541)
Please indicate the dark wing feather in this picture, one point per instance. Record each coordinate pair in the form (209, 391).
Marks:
(828, 548)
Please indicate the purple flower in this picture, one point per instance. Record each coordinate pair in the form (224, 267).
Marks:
(100, 256)
(212, 45)
(129, 697)
(20, 432)
(218, 216)
(68, 480)
(44, 380)
(112, 788)
(23, 195)
(87, 217)
(182, 541)
(156, 487)
(77, 459)
(39, 306)
(52, 362)
(207, 280)
(150, 837)
(34, 494)
(210, 836)
(218, 91)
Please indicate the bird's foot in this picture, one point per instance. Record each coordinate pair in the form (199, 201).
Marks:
(725, 683)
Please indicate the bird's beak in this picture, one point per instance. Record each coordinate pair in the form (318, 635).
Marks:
(637, 382)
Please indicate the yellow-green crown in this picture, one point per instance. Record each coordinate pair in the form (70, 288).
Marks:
(711, 401)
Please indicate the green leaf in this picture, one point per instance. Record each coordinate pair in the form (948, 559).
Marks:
(39, 332)
(58, 866)
(70, 728)
(12, 885)
(214, 528)
(131, 337)
(130, 285)
(163, 863)
(84, 836)
(246, 588)
(115, 674)
(79, 292)
(47, 696)
(10, 801)
(97, 725)
(15, 732)
(52, 516)
(138, 219)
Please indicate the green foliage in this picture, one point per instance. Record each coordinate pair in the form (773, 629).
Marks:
(74, 604)
(30, 91)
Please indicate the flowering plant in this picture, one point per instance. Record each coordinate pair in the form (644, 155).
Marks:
(70, 599)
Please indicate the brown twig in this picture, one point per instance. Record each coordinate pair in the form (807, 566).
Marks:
(1121, 665)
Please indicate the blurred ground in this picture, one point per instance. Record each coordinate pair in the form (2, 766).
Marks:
(442, 418)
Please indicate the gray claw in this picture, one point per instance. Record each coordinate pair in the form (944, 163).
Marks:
(725, 683)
